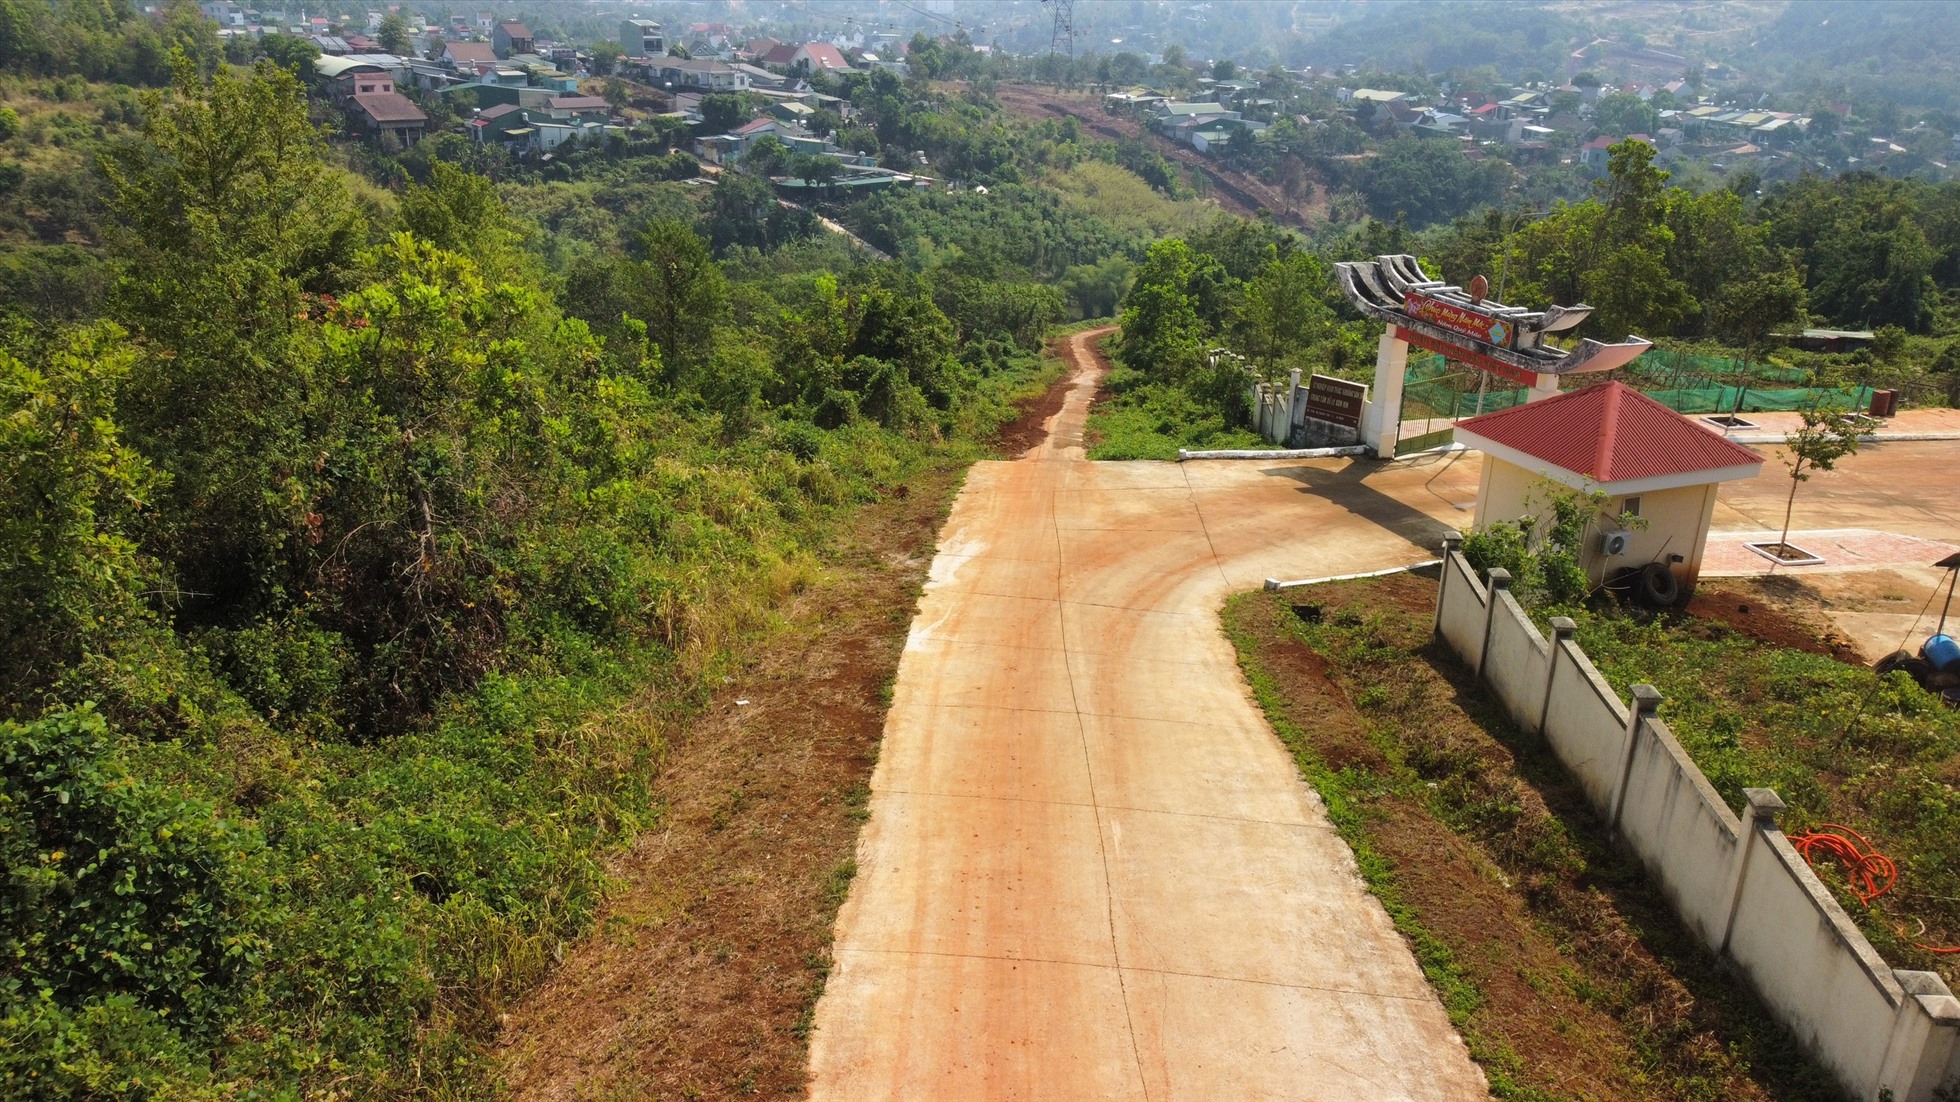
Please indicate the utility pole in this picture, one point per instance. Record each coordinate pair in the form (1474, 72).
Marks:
(1062, 41)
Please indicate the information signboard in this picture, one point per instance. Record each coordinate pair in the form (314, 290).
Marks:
(1335, 400)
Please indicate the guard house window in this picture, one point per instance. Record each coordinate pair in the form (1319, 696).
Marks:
(1630, 507)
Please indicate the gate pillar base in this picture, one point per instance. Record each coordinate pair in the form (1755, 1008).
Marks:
(1382, 423)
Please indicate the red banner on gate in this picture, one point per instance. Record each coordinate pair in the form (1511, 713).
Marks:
(1459, 319)
(1466, 355)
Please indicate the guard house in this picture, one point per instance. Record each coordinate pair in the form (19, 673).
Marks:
(1650, 461)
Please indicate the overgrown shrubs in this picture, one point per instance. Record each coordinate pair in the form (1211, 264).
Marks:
(348, 585)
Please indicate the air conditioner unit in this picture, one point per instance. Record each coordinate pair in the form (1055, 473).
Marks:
(1614, 542)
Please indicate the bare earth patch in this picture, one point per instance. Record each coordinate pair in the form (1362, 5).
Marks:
(1770, 610)
(1563, 969)
(697, 981)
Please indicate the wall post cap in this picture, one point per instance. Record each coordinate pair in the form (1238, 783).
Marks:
(1922, 983)
(1563, 627)
(1452, 537)
(1764, 803)
(1646, 698)
(1500, 578)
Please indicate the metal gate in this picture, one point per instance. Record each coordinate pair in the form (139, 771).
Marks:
(1437, 393)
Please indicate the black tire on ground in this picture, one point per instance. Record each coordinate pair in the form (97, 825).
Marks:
(1939, 682)
(1890, 662)
(1658, 587)
(1916, 668)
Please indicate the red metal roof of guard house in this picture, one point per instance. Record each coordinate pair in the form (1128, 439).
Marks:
(1608, 434)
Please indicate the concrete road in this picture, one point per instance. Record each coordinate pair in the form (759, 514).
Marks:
(1090, 870)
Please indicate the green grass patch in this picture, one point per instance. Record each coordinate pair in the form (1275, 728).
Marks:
(1146, 420)
(1447, 806)
(1838, 742)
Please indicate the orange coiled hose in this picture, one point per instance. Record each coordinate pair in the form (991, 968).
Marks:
(1870, 872)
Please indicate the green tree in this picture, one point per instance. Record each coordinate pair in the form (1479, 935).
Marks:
(1623, 113)
(767, 156)
(289, 52)
(1429, 181)
(72, 492)
(1828, 434)
(678, 291)
(226, 219)
(1163, 336)
(722, 112)
(459, 211)
(1282, 313)
(605, 56)
(393, 35)
(9, 124)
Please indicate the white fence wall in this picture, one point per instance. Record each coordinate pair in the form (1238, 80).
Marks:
(1736, 883)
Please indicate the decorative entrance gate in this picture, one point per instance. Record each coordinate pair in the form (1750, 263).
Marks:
(1505, 341)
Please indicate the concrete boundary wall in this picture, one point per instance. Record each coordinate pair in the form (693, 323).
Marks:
(1736, 882)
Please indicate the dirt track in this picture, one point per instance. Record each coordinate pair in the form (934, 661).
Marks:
(1090, 871)
(1234, 191)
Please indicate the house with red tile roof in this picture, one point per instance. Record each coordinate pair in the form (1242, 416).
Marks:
(1658, 469)
(818, 57)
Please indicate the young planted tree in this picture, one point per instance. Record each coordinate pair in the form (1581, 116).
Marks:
(1829, 433)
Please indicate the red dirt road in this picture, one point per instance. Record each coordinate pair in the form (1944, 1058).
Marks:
(1090, 871)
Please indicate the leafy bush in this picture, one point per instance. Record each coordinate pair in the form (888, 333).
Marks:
(117, 887)
(1541, 551)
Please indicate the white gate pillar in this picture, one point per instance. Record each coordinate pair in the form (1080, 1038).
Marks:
(1382, 423)
(1544, 386)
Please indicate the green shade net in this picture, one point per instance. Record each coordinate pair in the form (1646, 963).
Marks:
(1681, 381)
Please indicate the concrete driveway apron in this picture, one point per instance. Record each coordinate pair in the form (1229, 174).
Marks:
(1090, 870)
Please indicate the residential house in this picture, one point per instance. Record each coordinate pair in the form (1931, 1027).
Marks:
(504, 123)
(818, 57)
(224, 14)
(332, 45)
(732, 146)
(343, 78)
(1371, 105)
(389, 117)
(1168, 116)
(698, 73)
(641, 38)
(468, 57)
(511, 38)
(762, 80)
(581, 109)
(551, 135)
(791, 111)
(780, 55)
(708, 36)
(755, 49)
(1595, 154)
